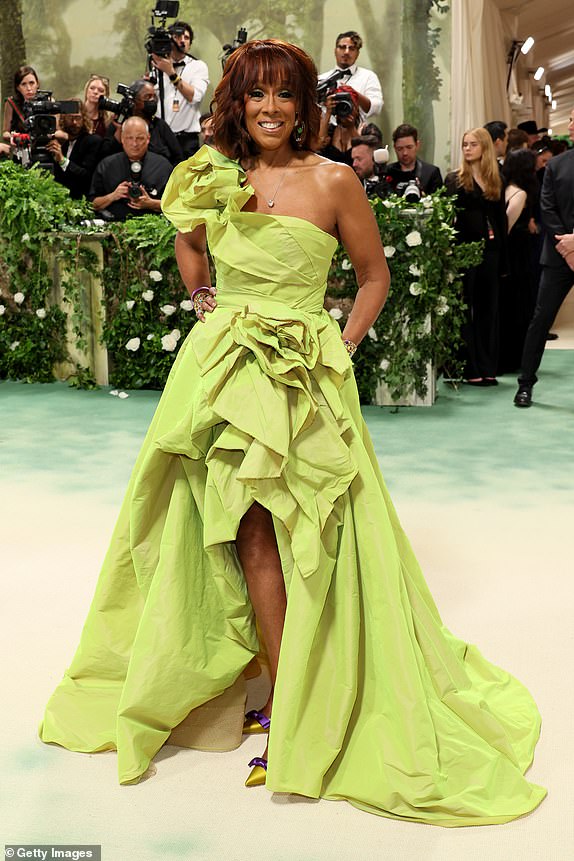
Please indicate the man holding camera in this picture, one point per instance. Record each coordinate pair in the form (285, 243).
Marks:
(409, 168)
(133, 181)
(363, 81)
(363, 149)
(76, 153)
(182, 83)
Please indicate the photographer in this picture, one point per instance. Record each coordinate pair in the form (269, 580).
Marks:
(363, 81)
(409, 168)
(131, 182)
(26, 85)
(76, 153)
(335, 141)
(162, 140)
(184, 81)
(362, 152)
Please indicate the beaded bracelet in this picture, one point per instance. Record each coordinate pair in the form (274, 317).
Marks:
(350, 346)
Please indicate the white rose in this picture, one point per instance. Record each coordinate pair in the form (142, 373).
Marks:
(414, 269)
(123, 395)
(442, 309)
(19, 298)
(427, 202)
(114, 393)
(176, 334)
(450, 277)
(169, 342)
(168, 310)
(388, 204)
(186, 305)
(133, 344)
(155, 275)
(389, 250)
(384, 364)
(41, 313)
(14, 345)
(336, 313)
(346, 264)
(130, 304)
(413, 239)
(25, 237)
(147, 295)
(372, 334)
(415, 288)
(2, 309)
(149, 337)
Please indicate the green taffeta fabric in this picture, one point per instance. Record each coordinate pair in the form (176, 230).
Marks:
(376, 702)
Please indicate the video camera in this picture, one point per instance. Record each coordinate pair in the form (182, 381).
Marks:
(344, 105)
(159, 40)
(122, 110)
(40, 124)
(227, 50)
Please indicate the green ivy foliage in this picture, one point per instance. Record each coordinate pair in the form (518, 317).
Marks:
(36, 217)
(423, 315)
(148, 312)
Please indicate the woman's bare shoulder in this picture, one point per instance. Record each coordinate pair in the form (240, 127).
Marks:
(319, 166)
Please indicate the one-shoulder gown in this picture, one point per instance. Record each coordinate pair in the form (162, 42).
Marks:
(376, 702)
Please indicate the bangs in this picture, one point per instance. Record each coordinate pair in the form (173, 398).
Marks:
(268, 64)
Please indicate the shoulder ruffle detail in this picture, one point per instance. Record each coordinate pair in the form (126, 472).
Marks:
(207, 187)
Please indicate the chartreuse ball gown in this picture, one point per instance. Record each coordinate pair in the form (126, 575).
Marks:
(376, 702)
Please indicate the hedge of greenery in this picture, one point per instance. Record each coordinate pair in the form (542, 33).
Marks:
(148, 312)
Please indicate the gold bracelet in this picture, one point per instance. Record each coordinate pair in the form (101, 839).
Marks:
(350, 347)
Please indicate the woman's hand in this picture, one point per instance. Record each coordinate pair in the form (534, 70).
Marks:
(204, 302)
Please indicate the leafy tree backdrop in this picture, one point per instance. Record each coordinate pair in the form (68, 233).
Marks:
(407, 43)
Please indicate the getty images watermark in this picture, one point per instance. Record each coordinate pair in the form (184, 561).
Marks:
(50, 851)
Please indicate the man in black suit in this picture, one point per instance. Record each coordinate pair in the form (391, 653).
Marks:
(557, 261)
(75, 153)
(408, 167)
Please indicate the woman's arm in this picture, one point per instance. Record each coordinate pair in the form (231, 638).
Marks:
(191, 256)
(359, 233)
(515, 202)
(7, 120)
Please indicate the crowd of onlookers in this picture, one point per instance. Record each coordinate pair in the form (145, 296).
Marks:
(120, 156)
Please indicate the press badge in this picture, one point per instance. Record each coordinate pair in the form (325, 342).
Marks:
(175, 106)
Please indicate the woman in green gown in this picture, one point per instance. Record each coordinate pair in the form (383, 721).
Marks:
(257, 497)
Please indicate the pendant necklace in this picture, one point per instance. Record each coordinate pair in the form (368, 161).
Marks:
(270, 201)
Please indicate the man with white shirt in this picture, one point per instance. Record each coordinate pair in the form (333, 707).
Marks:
(184, 82)
(364, 81)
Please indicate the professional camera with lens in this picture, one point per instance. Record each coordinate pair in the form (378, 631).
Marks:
(122, 110)
(135, 186)
(329, 87)
(40, 125)
(410, 190)
(159, 39)
(227, 50)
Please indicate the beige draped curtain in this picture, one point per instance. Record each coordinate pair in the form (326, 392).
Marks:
(480, 42)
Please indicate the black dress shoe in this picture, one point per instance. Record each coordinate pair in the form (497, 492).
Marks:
(551, 336)
(523, 397)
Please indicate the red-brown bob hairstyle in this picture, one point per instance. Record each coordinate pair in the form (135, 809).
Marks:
(264, 61)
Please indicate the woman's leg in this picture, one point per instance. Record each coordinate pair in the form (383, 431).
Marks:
(257, 550)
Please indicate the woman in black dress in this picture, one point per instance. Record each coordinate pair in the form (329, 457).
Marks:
(478, 188)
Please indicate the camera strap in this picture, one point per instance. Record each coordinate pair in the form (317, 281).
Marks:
(16, 109)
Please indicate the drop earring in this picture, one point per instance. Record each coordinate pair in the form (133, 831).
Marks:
(299, 132)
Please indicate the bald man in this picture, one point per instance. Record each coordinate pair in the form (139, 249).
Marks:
(130, 182)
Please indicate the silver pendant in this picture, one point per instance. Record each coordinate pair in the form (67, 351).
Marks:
(270, 203)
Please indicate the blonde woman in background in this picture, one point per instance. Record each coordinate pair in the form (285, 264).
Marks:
(481, 216)
(96, 86)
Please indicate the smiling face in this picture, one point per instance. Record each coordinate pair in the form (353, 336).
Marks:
(346, 53)
(471, 148)
(28, 87)
(270, 114)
